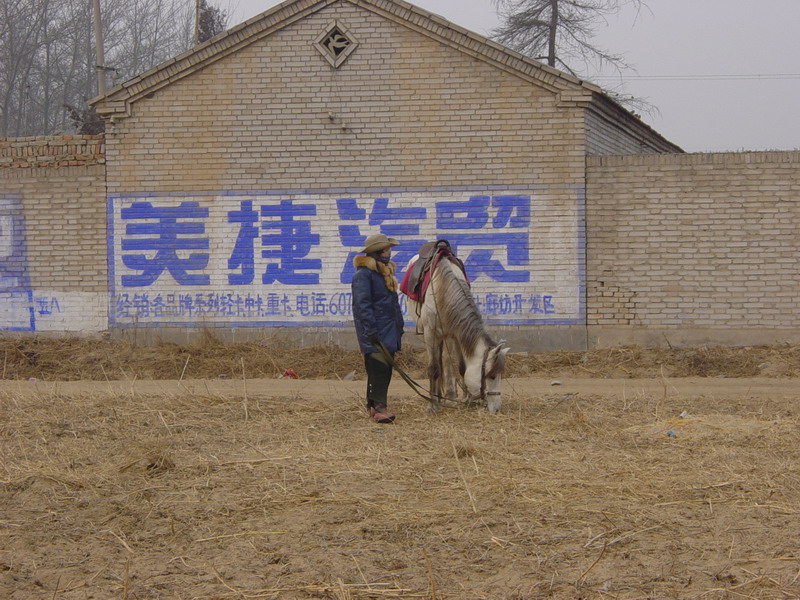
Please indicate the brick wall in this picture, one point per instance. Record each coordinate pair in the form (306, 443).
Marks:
(406, 118)
(681, 249)
(52, 202)
(696, 248)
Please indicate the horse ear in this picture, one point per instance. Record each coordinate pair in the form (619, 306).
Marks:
(497, 359)
(501, 349)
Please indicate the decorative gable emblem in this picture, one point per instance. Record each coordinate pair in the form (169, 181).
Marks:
(335, 43)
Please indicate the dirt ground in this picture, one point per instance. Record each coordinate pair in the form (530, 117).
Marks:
(185, 472)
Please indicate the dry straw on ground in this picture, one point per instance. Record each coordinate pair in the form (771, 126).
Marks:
(69, 359)
(567, 493)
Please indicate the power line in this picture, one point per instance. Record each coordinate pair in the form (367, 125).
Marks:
(766, 76)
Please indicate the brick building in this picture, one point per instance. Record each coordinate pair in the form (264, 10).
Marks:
(241, 177)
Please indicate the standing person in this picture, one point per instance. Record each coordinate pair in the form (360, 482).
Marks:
(378, 319)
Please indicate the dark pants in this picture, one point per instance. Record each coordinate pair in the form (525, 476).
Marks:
(379, 375)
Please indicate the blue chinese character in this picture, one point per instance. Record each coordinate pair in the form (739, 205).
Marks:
(536, 304)
(123, 306)
(319, 301)
(496, 216)
(141, 302)
(517, 302)
(293, 240)
(17, 306)
(350, 235)
(389, 221)
(243, 252)
(158, 306)
(492, 304)
(253, 305)
(186, 304)
(303, 305)
(504, 304)
(507, 206)
(43, 305)
(273, 304)
(166, 234)
(474, 214)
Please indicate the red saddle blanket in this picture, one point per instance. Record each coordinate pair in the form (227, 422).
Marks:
(418, 274)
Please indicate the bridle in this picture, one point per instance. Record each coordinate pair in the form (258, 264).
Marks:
(484, 393)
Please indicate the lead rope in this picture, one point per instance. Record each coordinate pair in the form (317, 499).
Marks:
(418, 388)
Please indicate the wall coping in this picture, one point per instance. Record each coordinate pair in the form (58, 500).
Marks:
(52, 151)
(704, 158)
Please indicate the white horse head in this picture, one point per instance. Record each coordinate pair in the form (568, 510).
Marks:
(484, 373)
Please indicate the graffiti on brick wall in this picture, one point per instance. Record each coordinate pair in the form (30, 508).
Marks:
(16, 297)
(287, 258)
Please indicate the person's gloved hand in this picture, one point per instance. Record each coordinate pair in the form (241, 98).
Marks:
(374, 339)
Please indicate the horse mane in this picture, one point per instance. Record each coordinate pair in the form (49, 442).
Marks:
(458, 314)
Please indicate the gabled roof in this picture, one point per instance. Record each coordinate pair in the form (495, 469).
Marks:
(116, 103)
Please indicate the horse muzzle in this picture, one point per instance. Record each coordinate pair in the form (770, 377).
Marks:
(493, 402)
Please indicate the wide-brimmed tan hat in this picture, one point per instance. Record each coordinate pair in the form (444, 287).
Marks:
(378, 243)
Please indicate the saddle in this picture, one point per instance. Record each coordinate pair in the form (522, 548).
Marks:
(417, 277)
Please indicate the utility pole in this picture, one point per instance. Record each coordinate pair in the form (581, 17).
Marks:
(99, 67)
(196, 22)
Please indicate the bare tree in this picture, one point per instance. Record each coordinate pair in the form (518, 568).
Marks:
(559, 32)
(140, 34)
(21, 32)
(211, 21)
(47, 62)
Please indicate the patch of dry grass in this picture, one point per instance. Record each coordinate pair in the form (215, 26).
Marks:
(70, 359)
(560, 496)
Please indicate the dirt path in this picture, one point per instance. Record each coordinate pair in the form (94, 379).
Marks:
(517, 387)
(283, 489)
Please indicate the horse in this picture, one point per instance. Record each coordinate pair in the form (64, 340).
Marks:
(454, 332)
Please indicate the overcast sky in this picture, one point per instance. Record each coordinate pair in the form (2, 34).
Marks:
(724, 75)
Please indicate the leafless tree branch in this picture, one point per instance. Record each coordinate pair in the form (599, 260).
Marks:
(47, 64)
(560, 32)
